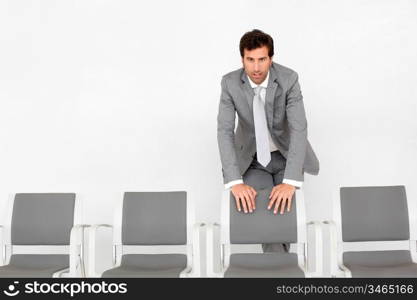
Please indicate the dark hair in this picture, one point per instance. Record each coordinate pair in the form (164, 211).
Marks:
(256, 39)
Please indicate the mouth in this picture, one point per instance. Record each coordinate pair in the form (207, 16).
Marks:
(257, 75)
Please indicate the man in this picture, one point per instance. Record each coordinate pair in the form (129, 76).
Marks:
(269, 148)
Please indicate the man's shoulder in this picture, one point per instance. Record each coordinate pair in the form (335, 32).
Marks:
(233, 76)
(283, 71)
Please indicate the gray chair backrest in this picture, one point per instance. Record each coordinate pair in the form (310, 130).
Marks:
(154, 218)
(262, 225)
(42, 218)
(374, 213)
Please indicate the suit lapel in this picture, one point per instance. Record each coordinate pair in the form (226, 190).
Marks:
(271, 93)
(247, 90)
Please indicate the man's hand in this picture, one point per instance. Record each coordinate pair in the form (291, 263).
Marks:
(245, 194)
(281, 194)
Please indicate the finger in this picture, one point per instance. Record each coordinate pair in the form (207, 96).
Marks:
(253, 196)
(272, 201)
(289, 204)
(274, 197)
(277, 203)
(237, 199)
(275, 191)
(248, 201)
(283, 203)
(245, 209)
(272, 193)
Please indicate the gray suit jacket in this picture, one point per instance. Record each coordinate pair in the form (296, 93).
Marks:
(286, 120)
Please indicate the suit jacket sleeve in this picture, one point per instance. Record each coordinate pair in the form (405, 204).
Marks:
(297, 125)
(226, 135)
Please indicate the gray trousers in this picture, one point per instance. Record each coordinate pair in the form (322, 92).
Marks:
(260, 177)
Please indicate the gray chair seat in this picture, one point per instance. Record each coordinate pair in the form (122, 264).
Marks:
(396, 263)
(264, 265)
(34, 265)
(149, 265)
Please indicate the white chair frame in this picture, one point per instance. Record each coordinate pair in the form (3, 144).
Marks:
(301, 247)
(75, 249)
(191, 249)
(338, 246)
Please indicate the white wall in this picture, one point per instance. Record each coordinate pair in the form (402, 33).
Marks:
(101, 97)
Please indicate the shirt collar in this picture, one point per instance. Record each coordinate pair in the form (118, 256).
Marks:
(263, 84)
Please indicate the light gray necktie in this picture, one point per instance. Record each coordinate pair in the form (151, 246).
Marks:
(261, 129)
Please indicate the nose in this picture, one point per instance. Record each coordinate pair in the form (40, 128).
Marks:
(256, 66)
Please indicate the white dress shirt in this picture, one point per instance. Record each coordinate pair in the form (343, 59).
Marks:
(272, 146)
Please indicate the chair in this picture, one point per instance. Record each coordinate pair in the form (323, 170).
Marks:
(43, 236)
(370, 233)
(262, 226)
(148, 222)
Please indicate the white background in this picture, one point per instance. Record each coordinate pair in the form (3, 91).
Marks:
(102, 97)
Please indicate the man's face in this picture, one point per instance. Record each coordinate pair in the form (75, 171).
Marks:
(256, 63)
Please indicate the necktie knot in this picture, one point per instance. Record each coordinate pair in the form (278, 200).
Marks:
(258, 90)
